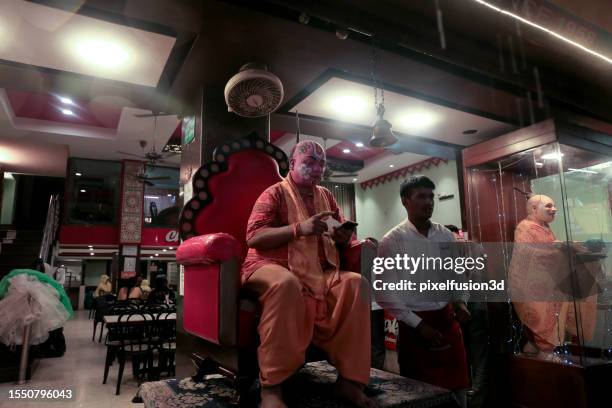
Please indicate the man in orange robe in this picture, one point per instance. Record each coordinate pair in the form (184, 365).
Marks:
(293, 266)
(535, 271)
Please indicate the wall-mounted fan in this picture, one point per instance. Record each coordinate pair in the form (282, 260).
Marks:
(253, 91)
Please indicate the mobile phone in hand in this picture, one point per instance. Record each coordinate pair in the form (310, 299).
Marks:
(349, 225)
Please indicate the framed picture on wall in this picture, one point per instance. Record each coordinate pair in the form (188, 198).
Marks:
(129, 264)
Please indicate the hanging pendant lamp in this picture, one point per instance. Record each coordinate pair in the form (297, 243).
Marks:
(382, 135)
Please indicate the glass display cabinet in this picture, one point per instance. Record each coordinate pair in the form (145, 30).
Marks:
(561, 327)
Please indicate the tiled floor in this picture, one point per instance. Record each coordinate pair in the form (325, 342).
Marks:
(80, 369)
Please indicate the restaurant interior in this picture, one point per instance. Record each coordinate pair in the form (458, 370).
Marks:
(132, 130)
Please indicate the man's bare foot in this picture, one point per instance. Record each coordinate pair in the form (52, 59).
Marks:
(353, 393)
(272, 397)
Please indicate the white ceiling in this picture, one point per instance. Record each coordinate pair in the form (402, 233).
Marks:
(84, 141)
(351, 102)
(373, 167)
(43, 36)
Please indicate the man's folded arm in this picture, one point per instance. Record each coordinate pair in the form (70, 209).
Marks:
(389, 300)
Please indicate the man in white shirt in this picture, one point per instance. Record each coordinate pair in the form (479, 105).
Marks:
(430, 344)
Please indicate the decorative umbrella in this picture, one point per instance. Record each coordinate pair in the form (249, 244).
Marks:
(31, 298)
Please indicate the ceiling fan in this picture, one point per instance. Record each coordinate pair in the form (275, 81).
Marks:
(331, 168)
(152, 157)
(144, 178)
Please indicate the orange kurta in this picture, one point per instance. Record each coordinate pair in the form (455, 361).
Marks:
(305, 298)
(534, 262)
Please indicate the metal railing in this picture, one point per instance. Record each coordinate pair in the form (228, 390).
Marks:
(49, 232)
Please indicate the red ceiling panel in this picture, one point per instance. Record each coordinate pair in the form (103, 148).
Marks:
(49, 107)
(357, 153)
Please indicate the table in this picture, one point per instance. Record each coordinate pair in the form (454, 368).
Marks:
(113, 319)
(310, 388)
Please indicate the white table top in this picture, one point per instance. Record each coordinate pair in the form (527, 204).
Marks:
(112, 319)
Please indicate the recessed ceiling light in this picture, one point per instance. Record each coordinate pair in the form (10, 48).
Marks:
(67, 112)
(78, 174)
(65, 100)
(354, 179)
(552, 156)
(165, 250)
(392, 165)
(359, 144)
(417, 120)
(169, 195)
(82, 191)
(346, 150)
(101, 52)
(469, 131)
(151, 256)
(170, 248)
(156, 254)
(91, 253)
(348, 106)
(90, 246)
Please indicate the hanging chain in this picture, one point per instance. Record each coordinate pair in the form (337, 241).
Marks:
(374, 72)
(376, 79)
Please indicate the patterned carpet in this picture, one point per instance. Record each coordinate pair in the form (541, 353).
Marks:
(311, 388)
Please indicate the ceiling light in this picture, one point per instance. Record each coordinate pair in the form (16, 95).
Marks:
(170, 248)
(539, 164)
(346, 150)
(101, 52)
(583, 171)
(547, 30)
(601, 166)
(82, 191)
(417, 120)
(165, 250)
(348, 106)
(354, 179)
(78, 174)
(336, 186)
(152, 197)
(90, 246)
(65, 100)
(552, 156)
(392, 165)
(151, 257)
(359, 144)
(67, 112)
(91, 253)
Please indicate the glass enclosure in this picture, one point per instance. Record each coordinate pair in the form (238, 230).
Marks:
(161, 208)
(509, 200)
(93, 191)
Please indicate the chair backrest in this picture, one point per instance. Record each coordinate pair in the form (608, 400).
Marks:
(225, 190)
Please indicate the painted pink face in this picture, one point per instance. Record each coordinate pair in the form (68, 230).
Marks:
(308, 163)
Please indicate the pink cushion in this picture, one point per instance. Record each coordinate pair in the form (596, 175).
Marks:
(209, 249)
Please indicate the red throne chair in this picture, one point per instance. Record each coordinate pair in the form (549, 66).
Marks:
(213, 228)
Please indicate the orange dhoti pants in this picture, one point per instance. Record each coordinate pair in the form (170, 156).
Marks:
(291, 321)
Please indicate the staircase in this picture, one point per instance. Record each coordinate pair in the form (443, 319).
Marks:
(18, 249)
